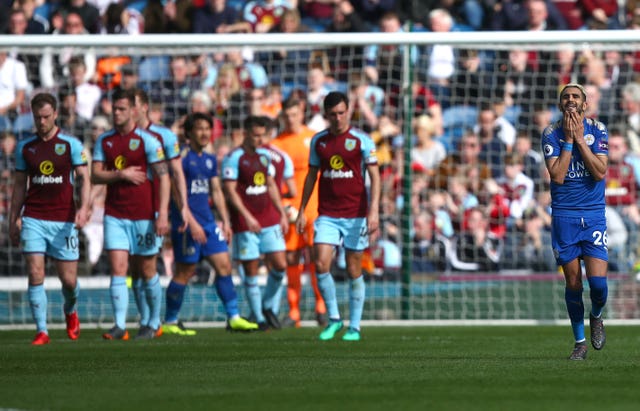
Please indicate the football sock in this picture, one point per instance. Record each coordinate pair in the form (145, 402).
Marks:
(175, 296)
(273, 291)
(356, 301)
(255, 299)
(294, 289)
(70, 298)
(227, 293)
(38, 304)
(321, 308)
(328, 290)
(153, 292)
(119, 300)
(141, 300)
(575, 308)
(598, 293)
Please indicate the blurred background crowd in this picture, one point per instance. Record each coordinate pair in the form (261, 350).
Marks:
(479, 195)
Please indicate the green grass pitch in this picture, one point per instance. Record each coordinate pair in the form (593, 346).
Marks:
(391, 369)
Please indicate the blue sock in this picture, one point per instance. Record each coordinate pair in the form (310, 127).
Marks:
(70, 298)
(119, 300)
(328, 290)
(227, 293)
(174, 296)
(598, 292)
(141, 300)
(38, 304)
(153, 292)
(272, 293)
(575, 308)
(255, 299)
(356, 301)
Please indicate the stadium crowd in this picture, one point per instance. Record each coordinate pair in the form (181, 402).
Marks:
(480, 195)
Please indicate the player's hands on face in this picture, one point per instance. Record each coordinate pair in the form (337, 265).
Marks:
(134, 175)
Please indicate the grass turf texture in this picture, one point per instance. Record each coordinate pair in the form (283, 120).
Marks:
(392, 368)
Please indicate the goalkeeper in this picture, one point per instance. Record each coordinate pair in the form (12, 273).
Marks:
(575, 150)
(204, 239)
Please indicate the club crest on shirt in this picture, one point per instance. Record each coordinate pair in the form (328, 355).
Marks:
(589, 139)
(350, 144)
(209, 164)
(60, 149)
(134, 144)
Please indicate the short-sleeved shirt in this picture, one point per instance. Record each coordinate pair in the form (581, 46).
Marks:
(171, 147)
(580, 195)
(117, 152)
(250, 171)
(49, 166)
(199, 169)
(342, 161)
(282, 165)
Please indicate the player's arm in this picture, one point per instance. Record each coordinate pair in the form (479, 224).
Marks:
(179, 184)
(18, 196)
(373, 218)
(274, 194)
(236, 202)
(161, 170)
(291, 192)
(307, 189)
(558, 166)
(221, 205)
(100, 175)
(83, 181)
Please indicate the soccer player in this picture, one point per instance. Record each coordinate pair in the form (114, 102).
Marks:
(171, 147)
(575, 150)
(346, 216)
(204, 239)
(258, 218)
(44, 217)
(295, 140)
(123, 159)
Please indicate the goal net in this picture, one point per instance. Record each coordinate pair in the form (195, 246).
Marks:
(450, 113)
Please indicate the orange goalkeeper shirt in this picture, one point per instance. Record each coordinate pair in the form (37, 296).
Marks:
(297, 146)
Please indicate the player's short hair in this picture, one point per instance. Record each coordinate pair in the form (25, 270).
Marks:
(42, 99)
(257, 121)
(120, 94)
(333, 99)
(142, 95)
(575, 85)
(190, 121)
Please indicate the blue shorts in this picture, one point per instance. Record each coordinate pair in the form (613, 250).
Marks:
(56, 239)
(573, 237)
(187, 251)
(248, 245)
(138, 237)
(351, 233)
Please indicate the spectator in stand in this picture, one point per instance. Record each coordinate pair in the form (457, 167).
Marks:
(631, 114)
(493, 145)
(167, 17)
(464, 162)
(565, 66)
(342, 58)
(18, 26)
(519, 15)
(621, 192)
(215, 16)
(470, 69)
(250, 74)
(173, 93)
(460, 200)
(227, 84)
(516, 187)
(88, 13)
(373, 11)
(317, 89)
(128, 77)
(427, 153)
(54, 67)
(383, 64)
(476, 248)
(531, 159)
(120, 19)
(442, 62)
(288, 65)
(70, 121)
(317, 13)
(366, 102)
(264, 15)
(489, 122)
(36, 24)
(600, 14)
(429, 247)
(87, 94)
(13, 91)
(200, 102)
